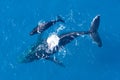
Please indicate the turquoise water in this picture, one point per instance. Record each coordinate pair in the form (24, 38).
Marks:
(82, 58)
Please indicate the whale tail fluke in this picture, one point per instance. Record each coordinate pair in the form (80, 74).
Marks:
(59, 18)
(96, 38)
(94, 31)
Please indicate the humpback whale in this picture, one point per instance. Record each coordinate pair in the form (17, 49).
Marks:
(43, 26)
(42, 51)
(93, 31)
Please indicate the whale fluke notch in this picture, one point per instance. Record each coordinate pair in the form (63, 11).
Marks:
(94, 30)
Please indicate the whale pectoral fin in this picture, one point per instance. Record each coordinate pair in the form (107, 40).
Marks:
(55, 60)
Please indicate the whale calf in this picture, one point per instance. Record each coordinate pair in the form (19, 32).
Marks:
(44, 26)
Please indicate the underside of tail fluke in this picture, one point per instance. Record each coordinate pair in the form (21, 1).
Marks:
(94, 31)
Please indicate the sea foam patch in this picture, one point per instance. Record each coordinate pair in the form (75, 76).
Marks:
(52, 41)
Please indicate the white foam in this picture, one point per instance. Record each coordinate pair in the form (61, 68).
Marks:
(52, 41)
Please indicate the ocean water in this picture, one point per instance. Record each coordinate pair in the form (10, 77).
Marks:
(83, 59)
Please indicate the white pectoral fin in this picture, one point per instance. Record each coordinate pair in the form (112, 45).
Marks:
(55, 60)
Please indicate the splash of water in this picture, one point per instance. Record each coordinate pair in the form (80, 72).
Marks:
(62, 27)
(70, 17)
(53, 41)
(62, 52)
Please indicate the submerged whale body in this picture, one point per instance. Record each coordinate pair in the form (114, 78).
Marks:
(44, 26)
(41, 50)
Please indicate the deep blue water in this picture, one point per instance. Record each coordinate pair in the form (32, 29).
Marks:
(84, 61)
